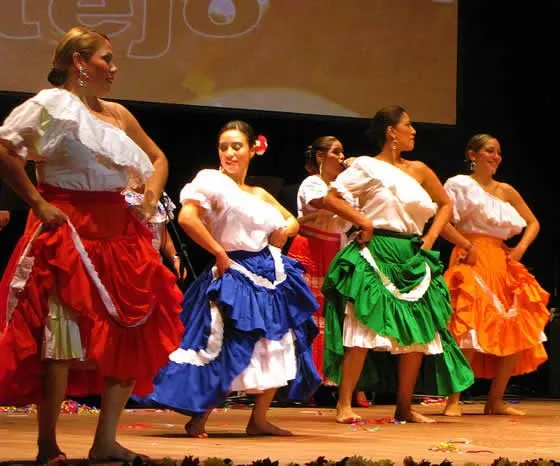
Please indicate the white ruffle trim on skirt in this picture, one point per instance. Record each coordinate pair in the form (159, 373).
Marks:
(62, 339)
(469, 340)
(357, 335)
(272, 365)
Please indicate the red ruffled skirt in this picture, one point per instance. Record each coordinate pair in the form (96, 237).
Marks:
(102, 267)
(499, 308)
(315, 249)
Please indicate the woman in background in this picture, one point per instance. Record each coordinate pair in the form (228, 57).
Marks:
(321, 233)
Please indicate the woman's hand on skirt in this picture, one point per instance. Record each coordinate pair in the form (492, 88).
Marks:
(365, 233)
(49, 215)
(222, 262)
(515, 254)
(468, 257)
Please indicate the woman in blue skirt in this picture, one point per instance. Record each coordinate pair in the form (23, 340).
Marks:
(248, 319)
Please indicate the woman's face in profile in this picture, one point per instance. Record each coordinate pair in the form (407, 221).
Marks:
(405, 133)
(101, 69)
(332, 162)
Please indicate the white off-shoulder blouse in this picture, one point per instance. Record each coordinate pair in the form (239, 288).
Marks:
(73, 148)
(238, 220)
(477, 211)
(391, 198)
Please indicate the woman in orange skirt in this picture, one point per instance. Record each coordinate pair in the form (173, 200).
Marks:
(499, 308)
(86, 306)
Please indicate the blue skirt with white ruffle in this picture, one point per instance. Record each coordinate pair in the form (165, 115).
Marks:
(259, 313)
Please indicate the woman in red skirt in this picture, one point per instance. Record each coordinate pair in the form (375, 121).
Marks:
(321, 233)
(86, 305)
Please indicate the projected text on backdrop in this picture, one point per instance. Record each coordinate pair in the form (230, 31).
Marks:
(332, 57)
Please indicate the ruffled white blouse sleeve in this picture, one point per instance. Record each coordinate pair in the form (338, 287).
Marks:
(312, 188)
(21, 129)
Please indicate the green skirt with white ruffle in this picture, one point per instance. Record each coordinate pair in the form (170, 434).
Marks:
(396, 291)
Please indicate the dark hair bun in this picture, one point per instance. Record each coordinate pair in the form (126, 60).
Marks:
(57, 77)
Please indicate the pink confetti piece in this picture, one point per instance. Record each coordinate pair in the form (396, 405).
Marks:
(134, 426)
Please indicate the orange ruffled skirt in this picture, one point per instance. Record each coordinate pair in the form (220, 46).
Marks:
(499, 308)
(101, 267)
(315, 249)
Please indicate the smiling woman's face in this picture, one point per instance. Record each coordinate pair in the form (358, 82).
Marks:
(235, 153)
(488, 158)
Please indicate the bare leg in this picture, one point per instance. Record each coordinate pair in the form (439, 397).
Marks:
(258, 423)
(409, 365)
(54, 389)
(352, 366)
(452, 407)
(495, 403)
(105, 445)
(196, 427)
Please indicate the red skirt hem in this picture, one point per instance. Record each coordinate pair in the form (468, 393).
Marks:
(315, 254)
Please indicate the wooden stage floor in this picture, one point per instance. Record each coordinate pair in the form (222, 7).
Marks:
(478, 439)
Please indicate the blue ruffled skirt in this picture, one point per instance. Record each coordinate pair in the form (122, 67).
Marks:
(249, 330)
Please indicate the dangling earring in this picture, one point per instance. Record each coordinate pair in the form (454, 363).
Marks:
(82, 77)
(472, 165)
(394, 145)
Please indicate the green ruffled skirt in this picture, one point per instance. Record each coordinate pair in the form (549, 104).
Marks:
(405, 299)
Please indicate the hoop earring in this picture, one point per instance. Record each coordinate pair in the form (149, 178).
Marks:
(82, 77)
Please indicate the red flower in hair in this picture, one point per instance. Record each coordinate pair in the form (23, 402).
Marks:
(261, 145)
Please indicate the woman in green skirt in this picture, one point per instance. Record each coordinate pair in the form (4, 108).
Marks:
(384, 291)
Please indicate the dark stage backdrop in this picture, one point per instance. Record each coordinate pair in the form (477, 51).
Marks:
(505, 86)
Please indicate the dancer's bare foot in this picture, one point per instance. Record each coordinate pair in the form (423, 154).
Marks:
(196, 427)
(345, 415)
(49, 452)
(452, 409)
(52, 457)
(265, 428)
(413, 416)
(503, 409)
(114, 452)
